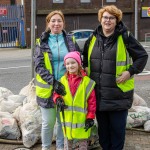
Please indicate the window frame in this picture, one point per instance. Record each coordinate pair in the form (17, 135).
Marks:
(58, 1)
(85, 1)
(111, 1)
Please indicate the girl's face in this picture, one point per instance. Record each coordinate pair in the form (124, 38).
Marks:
(72, 66)
(56, 24)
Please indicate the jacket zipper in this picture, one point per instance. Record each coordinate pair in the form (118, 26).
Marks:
(58, 56)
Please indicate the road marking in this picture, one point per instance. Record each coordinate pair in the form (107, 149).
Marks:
(15, 67)
(144, 73)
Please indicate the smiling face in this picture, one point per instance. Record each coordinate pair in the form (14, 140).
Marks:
(108, 23)
(72, 65)
(56, 24)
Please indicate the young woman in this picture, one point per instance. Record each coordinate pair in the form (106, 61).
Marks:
(78, 106)
(49, 67)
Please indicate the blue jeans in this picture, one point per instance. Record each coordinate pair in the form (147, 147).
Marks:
(48, 122)
(59, 134)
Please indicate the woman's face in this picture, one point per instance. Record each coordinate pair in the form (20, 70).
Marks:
(108, 22)
(56, 24)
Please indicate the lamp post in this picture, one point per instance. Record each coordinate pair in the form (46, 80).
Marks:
(136, 19)
(33, 16)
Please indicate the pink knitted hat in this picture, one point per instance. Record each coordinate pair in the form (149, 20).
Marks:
(75, 55)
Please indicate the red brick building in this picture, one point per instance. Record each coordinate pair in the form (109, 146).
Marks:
(9, 2)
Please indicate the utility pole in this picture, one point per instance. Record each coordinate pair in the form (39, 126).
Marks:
(33, 16)
(136, 19)
(102, 3)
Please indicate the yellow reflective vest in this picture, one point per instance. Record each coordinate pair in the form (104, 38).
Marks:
(123, 62)
(75, 115)
(43, 89)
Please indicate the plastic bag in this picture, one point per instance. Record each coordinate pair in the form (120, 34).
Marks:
(147, 126)
(138, 101)
(11, 103)
(137, 116)
(31, 131)
(8, 127)
(4, 92)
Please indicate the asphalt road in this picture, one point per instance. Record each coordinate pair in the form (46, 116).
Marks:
(15, 69)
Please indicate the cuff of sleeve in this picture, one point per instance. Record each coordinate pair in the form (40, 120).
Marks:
(131, 71)
(90, 116)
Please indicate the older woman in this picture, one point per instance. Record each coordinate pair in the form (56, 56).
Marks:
(49, 66)
(108, 63)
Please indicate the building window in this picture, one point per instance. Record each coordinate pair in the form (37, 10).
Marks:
(110, 0)
(85, 1)
(58, 1)
(12, 2)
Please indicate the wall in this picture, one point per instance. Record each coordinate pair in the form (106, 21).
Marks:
(5, 2)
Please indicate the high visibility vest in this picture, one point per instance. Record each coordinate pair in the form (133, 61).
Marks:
(123, 62)
(43, 89)
(37, 41)
(73, 121)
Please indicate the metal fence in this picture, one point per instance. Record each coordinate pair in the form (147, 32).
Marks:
(147, 38)
(12, 26)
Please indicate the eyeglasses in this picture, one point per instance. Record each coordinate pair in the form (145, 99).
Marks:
(108, 18)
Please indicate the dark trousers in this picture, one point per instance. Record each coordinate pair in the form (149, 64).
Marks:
(111, 129)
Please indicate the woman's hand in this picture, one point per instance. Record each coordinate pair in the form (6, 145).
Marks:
(123, 77)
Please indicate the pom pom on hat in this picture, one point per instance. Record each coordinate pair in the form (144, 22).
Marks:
(75, 55)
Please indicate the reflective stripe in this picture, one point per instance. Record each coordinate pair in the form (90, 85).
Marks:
(121, 63)
(88, 89)
(70, 125)
(42, 85)
(129, 60)
(78, 109)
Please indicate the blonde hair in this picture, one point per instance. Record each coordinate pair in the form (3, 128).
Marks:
(49, 16)
(111, 9)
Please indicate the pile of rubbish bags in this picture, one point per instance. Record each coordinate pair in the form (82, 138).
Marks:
(20, 117)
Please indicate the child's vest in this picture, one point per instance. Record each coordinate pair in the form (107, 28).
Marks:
(73, 119)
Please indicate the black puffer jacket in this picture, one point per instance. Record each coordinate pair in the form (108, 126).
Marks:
(40, 65)
(103, 68)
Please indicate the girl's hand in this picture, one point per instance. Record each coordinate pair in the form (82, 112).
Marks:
(123, 77)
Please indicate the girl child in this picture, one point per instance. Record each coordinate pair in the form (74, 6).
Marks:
(78, 106)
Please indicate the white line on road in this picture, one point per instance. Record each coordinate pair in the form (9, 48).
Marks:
(14, 67)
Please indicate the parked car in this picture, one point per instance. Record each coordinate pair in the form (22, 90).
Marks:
(81, 36)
